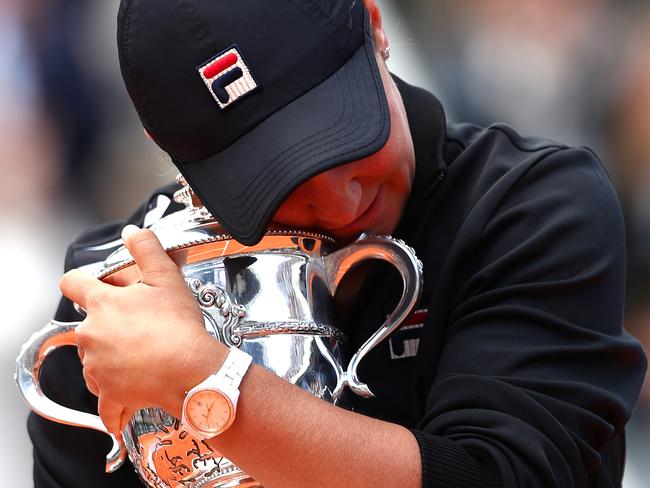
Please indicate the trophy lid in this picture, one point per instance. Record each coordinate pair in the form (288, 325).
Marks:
(197, 236)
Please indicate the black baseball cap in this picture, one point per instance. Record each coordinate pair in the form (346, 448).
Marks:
(251, 98)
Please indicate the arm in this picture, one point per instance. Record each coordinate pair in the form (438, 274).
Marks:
(281, 435)
(537, 376)
(288, 438)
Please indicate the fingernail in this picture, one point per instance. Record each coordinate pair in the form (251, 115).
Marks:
(129, 230)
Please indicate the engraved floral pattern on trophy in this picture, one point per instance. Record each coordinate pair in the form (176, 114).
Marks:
(175, 457)
(229, 328)
(211, 298)
(182, 460)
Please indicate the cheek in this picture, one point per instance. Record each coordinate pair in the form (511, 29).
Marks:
(296, 210)
(401, 178)
(390, 172)
(394, 164)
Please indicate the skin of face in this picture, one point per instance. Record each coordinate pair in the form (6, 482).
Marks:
(367, 195)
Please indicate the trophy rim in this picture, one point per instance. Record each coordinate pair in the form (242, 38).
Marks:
(268, 243)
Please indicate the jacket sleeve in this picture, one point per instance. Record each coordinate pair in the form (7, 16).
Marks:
(65, 456)
(537, 374)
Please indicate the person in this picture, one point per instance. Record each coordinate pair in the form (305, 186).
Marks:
(515, 371)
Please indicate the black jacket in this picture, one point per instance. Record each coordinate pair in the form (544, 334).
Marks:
(515, 371)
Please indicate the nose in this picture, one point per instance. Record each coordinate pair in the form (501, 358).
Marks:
(333, 197)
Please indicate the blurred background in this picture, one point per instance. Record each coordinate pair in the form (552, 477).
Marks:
(74, 155)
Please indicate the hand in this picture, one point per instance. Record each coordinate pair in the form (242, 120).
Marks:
(145, 344)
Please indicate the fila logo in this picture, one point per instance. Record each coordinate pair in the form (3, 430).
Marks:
(227, 77)
(405, 342)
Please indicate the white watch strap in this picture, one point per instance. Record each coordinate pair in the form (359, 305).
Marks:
(234, 368)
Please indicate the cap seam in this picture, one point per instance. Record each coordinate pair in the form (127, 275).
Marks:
(260, 194)
(274, 203)
(257, 190)
(192, 19)
(325, 148)
(327, 20)
(289, 152)
(130, 59)
(262, 181)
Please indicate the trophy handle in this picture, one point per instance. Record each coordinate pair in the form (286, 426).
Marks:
(28, 365)
(403, 258)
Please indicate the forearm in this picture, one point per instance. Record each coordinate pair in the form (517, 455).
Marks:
(282, 435)
(287, 438)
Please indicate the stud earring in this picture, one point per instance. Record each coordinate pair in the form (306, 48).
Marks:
(385, 53)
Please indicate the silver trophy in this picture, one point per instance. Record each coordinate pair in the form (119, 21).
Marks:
(273, 300)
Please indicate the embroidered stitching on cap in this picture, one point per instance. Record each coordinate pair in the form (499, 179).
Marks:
(227, 77)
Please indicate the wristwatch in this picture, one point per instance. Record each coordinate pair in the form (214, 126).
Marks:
(209, 408)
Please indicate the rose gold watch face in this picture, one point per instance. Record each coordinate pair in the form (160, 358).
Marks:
(209, 411)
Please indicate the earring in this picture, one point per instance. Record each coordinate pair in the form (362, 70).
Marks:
(385, 53)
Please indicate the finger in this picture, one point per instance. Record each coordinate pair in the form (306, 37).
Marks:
(127, 414)
(91, 384)
(78, 331)
(111, 414)
(156, 267)
(79, 285)
(125, 277)
(180, 258)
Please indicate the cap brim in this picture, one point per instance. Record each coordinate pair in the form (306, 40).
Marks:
(343, 119)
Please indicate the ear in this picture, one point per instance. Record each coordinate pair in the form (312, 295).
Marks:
(381, 41)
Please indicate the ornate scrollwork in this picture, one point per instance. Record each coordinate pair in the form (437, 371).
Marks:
(211, 297)
(178, 459)
(263, 329)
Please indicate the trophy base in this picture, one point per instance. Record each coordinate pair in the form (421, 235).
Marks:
(166, 456)
(239, 480)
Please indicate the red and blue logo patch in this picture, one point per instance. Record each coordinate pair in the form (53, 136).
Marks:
(405, 342)
(227, 77)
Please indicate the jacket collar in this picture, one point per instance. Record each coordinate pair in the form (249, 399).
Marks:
(428, 125)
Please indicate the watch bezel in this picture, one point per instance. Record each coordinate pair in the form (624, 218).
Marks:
(217, 391)
(226, 383)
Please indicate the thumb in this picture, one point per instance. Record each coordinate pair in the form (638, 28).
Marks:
(111, 415)
(156, 267)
